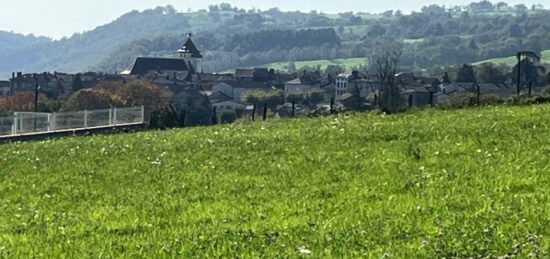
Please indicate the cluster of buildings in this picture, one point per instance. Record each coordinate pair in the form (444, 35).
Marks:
(185, 77)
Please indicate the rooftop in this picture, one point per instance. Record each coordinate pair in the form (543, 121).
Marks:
(189, 47)
(144, 64)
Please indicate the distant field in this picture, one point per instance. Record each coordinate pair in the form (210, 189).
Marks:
(470, 183)
(348, 63)
(512, 60)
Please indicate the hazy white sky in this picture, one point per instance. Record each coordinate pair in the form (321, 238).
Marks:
(58, 18)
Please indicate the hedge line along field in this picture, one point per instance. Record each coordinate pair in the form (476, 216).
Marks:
(424, 184)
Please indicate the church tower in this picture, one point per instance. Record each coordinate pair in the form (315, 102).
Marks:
(191, 55)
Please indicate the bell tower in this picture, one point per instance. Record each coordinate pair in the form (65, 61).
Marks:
(191, 54)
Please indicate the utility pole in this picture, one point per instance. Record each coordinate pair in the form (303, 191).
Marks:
(518, 86)
(36, 87)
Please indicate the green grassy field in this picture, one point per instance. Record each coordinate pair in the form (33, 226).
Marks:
(424, 184)
(512, 60)
(347, 62)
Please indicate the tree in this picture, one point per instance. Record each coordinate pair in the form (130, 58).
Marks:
(89, 99)
(529, 72)
(20, 101)
(490, 73)
(386, 64)
(315, 96)
(228, 117)
(502, 6)
(376, 31)
(295, 98)
(136, 93)
(433, 9)
(77, 83)
(199, 114)
(466, 74)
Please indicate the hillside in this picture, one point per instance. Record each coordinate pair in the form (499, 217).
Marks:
(512, 60)
(231, 37)
(425, 184)
(323, 64)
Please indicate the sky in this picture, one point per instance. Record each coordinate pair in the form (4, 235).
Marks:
(59, 18)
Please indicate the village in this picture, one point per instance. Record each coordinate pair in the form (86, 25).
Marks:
(250, 90)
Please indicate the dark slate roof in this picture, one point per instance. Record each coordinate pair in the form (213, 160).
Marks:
(189, 47)
(142, 65)
(244, 73)
(249, 84)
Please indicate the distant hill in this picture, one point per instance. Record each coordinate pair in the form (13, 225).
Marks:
(231, 37)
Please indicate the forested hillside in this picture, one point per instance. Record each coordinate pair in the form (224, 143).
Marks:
(231, 37)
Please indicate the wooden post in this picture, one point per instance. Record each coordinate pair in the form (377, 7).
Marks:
(530, 88)
(265, 112)
(214, 116)
(478, 97)
(375, 100)
(254, 112)
(410, 100)
(431, 98)
(332, 105)
(293, 109)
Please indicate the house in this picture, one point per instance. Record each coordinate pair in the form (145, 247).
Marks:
(235, 89)
(189, 98)
(5, 87)
(417, 97)
(255, 74)
(48, 83)
(349, 82)
(302, 84)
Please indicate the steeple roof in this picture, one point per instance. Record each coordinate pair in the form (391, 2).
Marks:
(189, 47)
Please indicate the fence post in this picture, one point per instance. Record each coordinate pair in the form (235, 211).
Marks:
(49, 122)
(14, 128)
(254, 112)
(431, 98)
(110, 116)
(293, 109)
(265, 112)
(331, 105)
(114, 116)
(54, 118)
(85, 119)
(20, 125)
(530, 88)
(142, 114)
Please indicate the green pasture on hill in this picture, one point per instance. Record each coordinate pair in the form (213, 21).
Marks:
(349, 63)
(424, 184)
(512, 60)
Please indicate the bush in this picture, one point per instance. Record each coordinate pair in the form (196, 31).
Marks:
(228, 117)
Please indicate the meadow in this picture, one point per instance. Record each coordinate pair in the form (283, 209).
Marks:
(348, 63)
(423, 184)
(512, 60)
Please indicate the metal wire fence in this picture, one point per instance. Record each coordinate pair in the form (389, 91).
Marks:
(33, 122)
